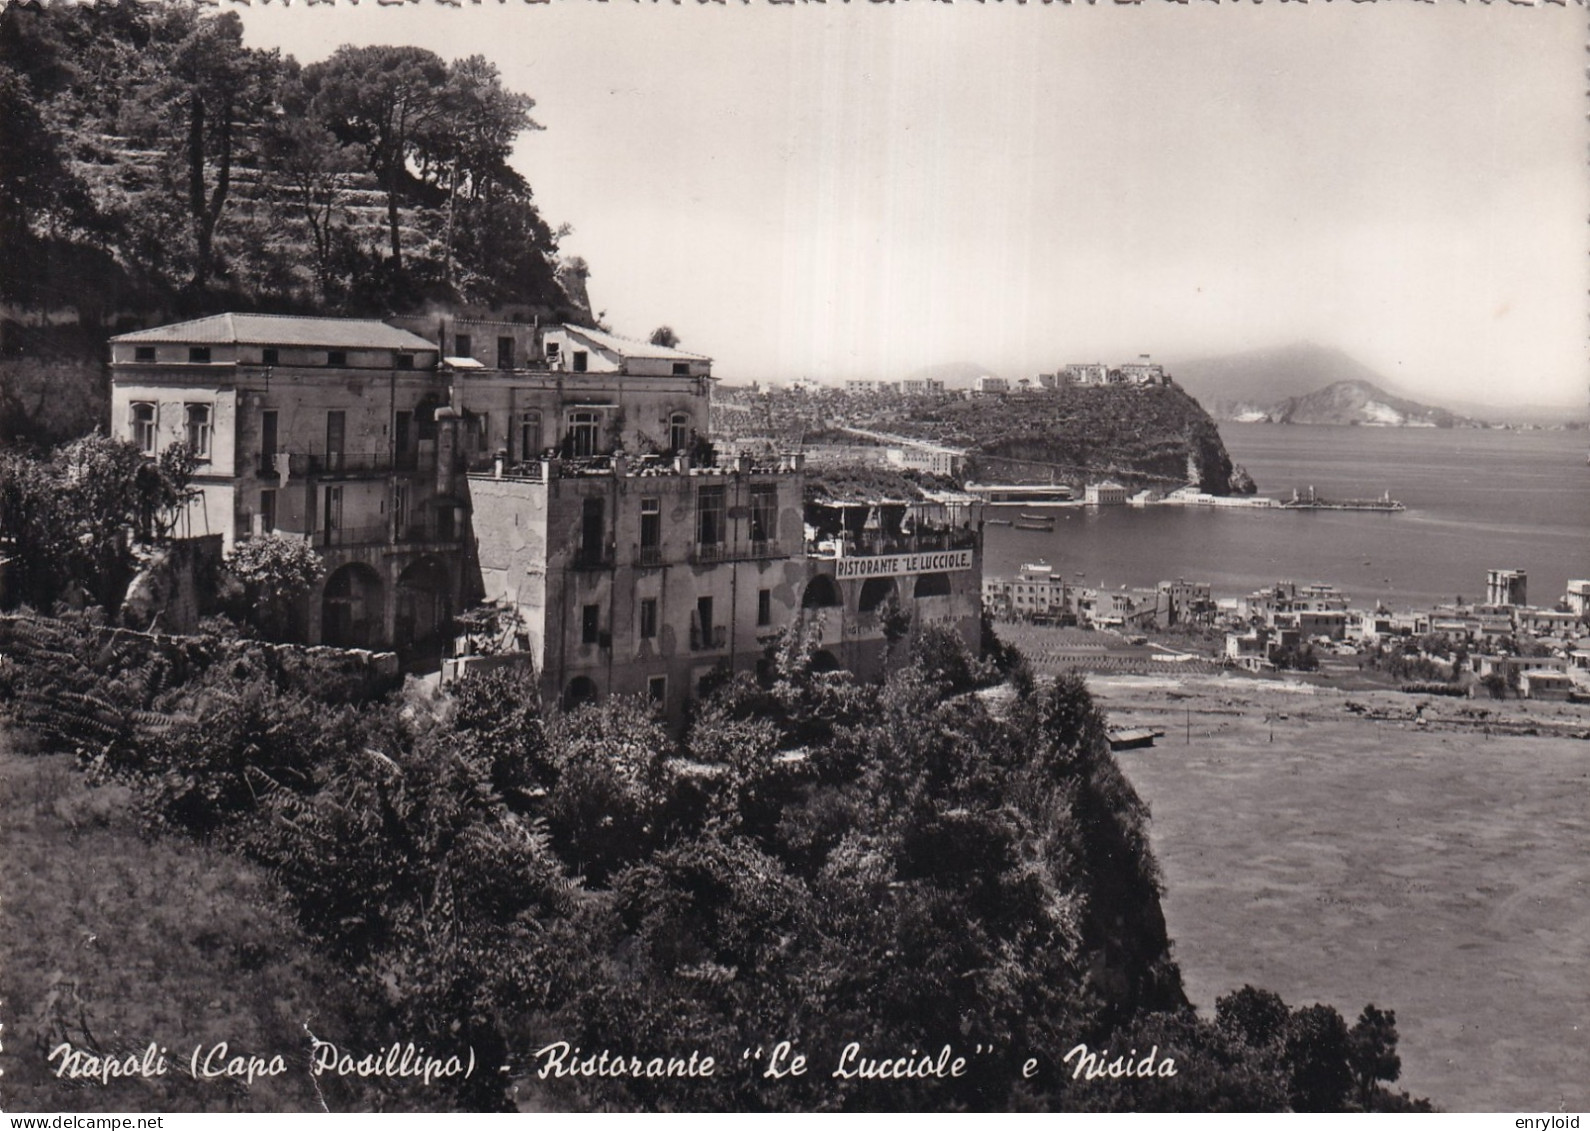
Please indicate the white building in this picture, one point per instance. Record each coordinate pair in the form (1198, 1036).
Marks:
(1106, 494)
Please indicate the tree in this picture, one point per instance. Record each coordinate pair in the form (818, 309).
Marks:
(1372, 1052)
(1315, 1053)
(276, 569)
(1257, 1016)
(221, 89)
(465, 151)
(76, 516)
(313, 170)
(664, 336)
(385, 100)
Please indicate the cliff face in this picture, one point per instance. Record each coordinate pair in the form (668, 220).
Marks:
(1155, 436)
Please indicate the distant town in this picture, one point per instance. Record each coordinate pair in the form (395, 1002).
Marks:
(1499, 646)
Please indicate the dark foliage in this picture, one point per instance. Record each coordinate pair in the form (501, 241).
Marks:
(816, 861)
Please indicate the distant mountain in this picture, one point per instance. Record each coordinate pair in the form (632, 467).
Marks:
(1239, 385)
(1253, 385)
(1361, 402)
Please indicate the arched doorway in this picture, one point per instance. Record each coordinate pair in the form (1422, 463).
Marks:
(581, 690)
(424, 603)
(822, 592)
(824, 661)
(351, 607)
(932, 585)
(874, 592)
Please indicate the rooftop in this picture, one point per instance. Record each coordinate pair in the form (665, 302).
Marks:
(629, 347)
(282, 330)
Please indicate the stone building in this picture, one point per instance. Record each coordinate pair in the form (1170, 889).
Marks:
(557, 472)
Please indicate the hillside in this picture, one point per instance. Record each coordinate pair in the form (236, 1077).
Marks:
(1143, 437)
(153, 168)
(1362, 402)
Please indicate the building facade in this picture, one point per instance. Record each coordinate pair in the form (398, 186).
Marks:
(1506, 587)
(557, 472)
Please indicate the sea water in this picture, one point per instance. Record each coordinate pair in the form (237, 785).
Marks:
(1476, 500)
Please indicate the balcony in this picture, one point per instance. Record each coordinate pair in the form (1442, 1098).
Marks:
(373, 535)
(594, 557)
(339, 463)
(711, 553)
(648, 557)
(716, 636)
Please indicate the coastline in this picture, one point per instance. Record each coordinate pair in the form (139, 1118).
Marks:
(1330, 846)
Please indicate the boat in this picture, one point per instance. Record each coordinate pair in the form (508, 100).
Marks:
(997, 521)
(1315, 502)
(1030, 517)
(1025, 524)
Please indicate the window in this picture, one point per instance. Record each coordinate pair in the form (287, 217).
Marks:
(267, 442)
(554, 350)
(332, 510)
(709, 516)
(505, 353)
(336, 435)
(267, 511)
(196, 424)
(590, 624)
(678, 431)
(142, 419)
(337, 357)
(199, 353)
(529, 435)
(143, 353)
(462, 346)
(648, 618)
(405, 361)
(593, 532)
(477, 429)
(273, 356)
(657, 688)
(764, 607)
(582, 434)
(581, 359)
(681, 369)
(704, 620)
(764, 512)
(650, 525)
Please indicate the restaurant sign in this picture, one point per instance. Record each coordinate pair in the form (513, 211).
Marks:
(901, 565)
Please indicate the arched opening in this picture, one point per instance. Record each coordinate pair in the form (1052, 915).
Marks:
(824, 661)
(874, 592)
(351, 607)
(822, 592)
(424, 603)
(932, 585)
(581, 690)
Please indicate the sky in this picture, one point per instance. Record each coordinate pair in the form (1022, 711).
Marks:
(862, 190)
